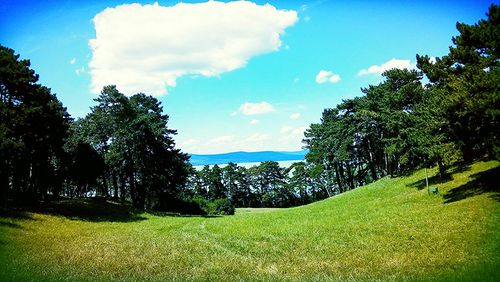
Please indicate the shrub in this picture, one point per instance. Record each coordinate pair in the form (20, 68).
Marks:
(221, 207)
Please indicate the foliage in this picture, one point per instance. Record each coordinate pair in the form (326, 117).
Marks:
(214, 207)
(33, 127)
(132, 136)
(466, 84)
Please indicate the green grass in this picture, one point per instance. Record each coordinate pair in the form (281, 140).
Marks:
(388, 230)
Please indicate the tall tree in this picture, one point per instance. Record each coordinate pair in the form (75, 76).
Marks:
(33, 127)
(467, 84)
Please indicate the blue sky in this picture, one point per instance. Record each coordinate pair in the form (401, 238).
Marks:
(251, 97)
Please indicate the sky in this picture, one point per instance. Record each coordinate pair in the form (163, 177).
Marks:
(232, 76)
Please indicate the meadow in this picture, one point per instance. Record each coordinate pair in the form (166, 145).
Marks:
(391, 229)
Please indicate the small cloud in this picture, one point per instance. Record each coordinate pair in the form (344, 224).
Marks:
(249, 109)
(327, 76)
(293, 132)
(191, 142)
(234, 113)
(391, 64)
(307, 18)
(254, 122)
(257, 137)
(303, 8)
(295, 116)
(224, 140)
(286, 129)
(80, 71)
(72, 61)
(299, 131)
(296, 80)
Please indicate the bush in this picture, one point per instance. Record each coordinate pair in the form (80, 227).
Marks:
(221, 207)
(174, 204)
(215, 207)
(196, 205)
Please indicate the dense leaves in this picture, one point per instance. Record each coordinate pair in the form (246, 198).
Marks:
(33, 127)
(131, 135)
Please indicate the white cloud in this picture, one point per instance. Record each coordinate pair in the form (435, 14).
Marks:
(256, 137)
(235, 113)
(296, 80)
(147, 48)
(72, 61)
(295, 116)
(188, 145)
(221, 141)
(80, 71)
(249, 109)
(327, 76)
(286, 129)
(291, 137)
(391, 64)
(299, 131)
(254, 121)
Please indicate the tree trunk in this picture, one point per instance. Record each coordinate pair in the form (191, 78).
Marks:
(114, 179)
(338, 176)
(4, 185)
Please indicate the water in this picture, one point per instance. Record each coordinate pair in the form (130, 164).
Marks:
(283, 164)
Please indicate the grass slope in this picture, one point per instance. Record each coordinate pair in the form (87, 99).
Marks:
(388, 230)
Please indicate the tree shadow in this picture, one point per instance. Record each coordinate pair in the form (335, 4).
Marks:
(460, 167)
(482, 182)
(10, 224)
(174, 214)
(433, 180)
(89, 209)
(92, 209)
(16, 213)
(13, 214)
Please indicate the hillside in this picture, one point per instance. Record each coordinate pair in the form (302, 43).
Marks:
(246, 157)
(388, 230)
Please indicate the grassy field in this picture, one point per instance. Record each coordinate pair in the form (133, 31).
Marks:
(388, 230)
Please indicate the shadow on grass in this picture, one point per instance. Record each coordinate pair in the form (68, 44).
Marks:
(13, 214)
(10, 224)
(93, 209)
(434, 180)
(174, 214)
(16, 213)
(486, 181)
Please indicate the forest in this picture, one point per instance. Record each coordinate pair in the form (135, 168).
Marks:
(443, 112)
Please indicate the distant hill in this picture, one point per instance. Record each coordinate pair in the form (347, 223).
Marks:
(246, 157)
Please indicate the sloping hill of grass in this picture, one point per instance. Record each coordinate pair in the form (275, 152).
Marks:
(388, 230)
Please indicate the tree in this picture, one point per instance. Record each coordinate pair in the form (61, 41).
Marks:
(33, 127)
(132, 136)
(466, 85)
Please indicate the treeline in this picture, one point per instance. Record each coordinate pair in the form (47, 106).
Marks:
(122, 149)
(444, 111)
(263, 185)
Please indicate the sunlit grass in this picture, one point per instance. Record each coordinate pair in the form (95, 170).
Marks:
(388, 230)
